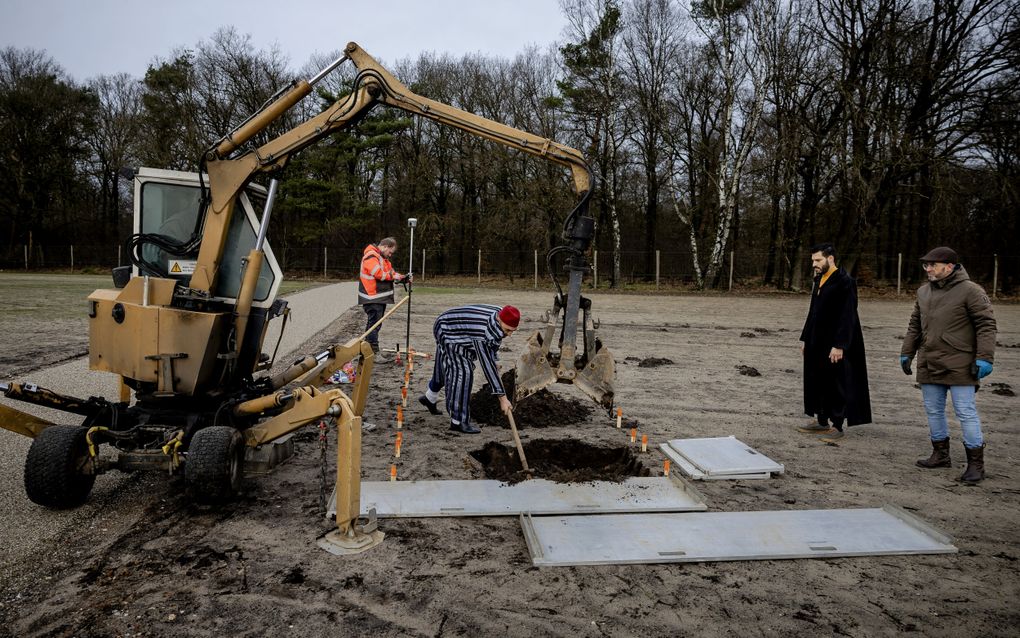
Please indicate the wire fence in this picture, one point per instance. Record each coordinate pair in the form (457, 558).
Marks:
(999, 274)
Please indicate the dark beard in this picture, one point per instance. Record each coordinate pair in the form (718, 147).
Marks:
(822, 272)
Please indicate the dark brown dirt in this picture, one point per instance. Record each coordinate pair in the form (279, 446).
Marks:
(1002, 389)
(748, 371)
(541, 410)
(565, 461)
(140, 560)
(654, 362)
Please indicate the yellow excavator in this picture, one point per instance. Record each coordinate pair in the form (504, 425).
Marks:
(186, 334)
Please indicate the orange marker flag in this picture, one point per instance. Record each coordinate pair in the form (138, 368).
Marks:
(619, 417)
(400, 417)
(644, 442)
(633, 435)
(665, 467)
(403, 396)
(393, 472)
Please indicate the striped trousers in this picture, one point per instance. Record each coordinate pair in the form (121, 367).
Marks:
(455, 372)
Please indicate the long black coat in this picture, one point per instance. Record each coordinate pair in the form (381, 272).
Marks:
(837, 390)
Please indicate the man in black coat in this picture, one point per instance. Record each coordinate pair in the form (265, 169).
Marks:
(835, 372)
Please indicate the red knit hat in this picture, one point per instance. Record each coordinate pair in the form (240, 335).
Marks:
(510, 316)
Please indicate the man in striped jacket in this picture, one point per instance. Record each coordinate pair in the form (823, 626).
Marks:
(375, 285)
(465, 335)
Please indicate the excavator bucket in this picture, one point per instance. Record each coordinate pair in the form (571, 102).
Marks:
(534, 370)
(596, 378)
(538, 369)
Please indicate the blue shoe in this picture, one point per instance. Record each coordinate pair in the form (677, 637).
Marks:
(464, 428)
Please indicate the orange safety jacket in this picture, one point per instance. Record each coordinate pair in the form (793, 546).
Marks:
(375, 285)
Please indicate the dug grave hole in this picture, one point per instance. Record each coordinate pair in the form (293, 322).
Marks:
(560, 461)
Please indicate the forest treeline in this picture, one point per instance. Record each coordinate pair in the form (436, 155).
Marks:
(754, 126)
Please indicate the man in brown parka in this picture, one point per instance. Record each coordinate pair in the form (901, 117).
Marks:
(952, 332)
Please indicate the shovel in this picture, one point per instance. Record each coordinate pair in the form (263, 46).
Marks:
(517, 442)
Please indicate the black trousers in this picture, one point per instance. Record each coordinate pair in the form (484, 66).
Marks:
(375, 311)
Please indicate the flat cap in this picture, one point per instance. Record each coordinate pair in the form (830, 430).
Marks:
(943, 254)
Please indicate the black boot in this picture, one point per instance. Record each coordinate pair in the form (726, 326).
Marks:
(430, 406)
(975, 465)
(464, 428)
(939, 456)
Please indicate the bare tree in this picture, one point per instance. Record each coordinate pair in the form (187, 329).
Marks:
(732, 29)
(591, 86)
(653, 36)
(116, 138)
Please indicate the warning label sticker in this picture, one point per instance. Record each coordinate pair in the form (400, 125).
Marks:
(181, 266)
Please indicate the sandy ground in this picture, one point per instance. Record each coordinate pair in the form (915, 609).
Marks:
(149, 563)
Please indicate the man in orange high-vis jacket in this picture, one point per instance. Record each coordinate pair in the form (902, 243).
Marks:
(375, 284)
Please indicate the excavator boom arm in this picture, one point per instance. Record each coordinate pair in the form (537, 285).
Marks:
(229, 172)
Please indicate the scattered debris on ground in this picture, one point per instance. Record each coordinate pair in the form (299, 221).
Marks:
(654, 362)
(748, 371)
(1003, 389)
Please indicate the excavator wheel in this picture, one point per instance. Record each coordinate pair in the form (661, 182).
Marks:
(215, 464)
(55, 469)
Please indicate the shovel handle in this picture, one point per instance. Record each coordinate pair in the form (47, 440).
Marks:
(517, 442)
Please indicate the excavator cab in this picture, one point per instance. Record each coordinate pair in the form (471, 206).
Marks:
(168, 204)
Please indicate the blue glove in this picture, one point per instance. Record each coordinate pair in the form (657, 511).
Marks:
(984, 368)
(905, 364)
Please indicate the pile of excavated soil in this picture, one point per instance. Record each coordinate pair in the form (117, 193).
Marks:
(655, 362)
(561, 461)
(540, 410)
(650, 362)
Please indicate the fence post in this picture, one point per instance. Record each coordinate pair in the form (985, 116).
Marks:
(72, 257)
(479, 265)
(325, 257)
(423, 264)
(899, 272)
(657, 269)
(595, 279)
(26, 256)
(731, 272)
(995, 276)
(536, 270)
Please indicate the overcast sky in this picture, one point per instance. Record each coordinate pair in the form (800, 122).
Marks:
(103, 37)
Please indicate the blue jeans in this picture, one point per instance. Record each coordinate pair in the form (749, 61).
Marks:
(934, 395)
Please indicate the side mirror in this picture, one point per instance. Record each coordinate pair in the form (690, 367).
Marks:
(121, 276)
